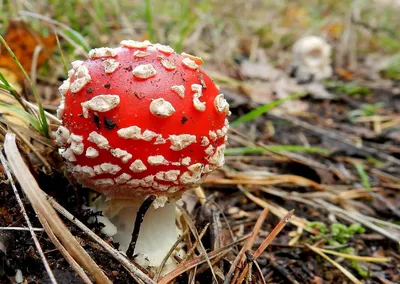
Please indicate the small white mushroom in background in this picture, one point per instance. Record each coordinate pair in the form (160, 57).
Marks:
(18, 276)
(312, 59)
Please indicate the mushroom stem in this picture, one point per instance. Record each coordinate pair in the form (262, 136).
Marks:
(158, 231)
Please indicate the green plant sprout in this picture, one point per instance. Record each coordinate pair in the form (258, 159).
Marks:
(393, 70)
(338, 235)
(350, 88)
(364, 110)
(363, 176)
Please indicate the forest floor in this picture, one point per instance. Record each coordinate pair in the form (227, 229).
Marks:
(328, 149)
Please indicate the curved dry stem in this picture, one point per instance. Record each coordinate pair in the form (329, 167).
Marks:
(78, 269)
(136, 273)
(39, 202)
(21, 204)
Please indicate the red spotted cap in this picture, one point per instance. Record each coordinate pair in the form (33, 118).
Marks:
(141, 119)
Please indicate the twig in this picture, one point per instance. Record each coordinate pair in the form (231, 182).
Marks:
(273, 234)
(138, 222)
(136, 273)
(21, 229)
(291, 156)
(28, 222)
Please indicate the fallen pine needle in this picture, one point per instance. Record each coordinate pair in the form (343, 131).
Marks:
(200, 246)
(185, 266)
(273, 180)
(334, 263)
(356, 257)
(247, 246)
(271, 236)
(278, 211)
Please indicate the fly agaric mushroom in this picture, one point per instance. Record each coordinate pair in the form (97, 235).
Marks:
(312, 59)
(140, 120)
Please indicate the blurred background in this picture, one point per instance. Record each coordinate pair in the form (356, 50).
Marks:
(363, 34)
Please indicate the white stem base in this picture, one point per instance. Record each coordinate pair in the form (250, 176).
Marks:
(158, 231)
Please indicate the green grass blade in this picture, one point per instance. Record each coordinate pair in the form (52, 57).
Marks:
(61, 53)
(24, 115)
(363, 175)
(275, 148)
(7, 86)
(77, 38)
(149, 19)
(263, 109)
(42, 116)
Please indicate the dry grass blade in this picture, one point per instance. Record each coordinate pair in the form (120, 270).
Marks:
(247, 246)
(42, 206)
(360, 218)
(34, 150)
(195, 244)
(279, 179)
(185, 266)
(169, 254)
(271, 236)
(136, 273)
(334, 263)
(279, 212)
(71, 261)
(273, 180)
(259, 272)
(23, 211)
(49, 116)
(192, 228)
(356, 257)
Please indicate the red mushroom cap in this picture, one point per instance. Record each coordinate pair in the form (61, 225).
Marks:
(141, 119)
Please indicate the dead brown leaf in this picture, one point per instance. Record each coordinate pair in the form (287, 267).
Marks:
(23, 42)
